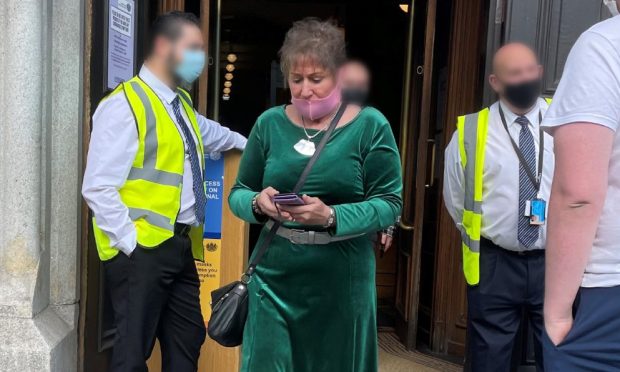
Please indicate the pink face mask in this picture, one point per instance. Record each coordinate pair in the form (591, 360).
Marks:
(317, 108)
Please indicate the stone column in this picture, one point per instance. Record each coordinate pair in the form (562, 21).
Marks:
(40, 100)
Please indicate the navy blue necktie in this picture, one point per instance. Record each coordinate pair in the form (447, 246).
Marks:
(197, 182)
(527, 233)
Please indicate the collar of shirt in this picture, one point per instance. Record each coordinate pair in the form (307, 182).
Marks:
(159, 87)
(531, 115)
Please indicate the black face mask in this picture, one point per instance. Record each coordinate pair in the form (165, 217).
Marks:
(523, 95)
(355, 96)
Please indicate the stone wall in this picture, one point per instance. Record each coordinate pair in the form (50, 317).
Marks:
(40, 168)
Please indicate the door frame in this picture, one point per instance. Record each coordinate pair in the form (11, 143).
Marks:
(414, 175)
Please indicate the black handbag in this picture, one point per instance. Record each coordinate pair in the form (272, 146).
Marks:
(229, 304)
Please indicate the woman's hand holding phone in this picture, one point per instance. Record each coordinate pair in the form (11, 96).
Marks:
(267, 206)
(314, 212)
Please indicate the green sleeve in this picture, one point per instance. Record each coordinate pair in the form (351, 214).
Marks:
(249, 179)
(382, 187)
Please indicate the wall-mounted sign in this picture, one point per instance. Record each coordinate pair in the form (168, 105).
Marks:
(209, 270)
(121, 41)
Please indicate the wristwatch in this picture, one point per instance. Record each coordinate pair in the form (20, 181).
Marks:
(255, 207)
(331, 220)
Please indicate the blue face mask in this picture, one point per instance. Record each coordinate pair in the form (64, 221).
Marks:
(191, 66)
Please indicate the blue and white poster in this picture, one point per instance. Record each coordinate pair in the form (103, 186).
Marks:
(214, 185)
(121, 41)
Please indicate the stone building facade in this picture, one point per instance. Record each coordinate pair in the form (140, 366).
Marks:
(40, 171)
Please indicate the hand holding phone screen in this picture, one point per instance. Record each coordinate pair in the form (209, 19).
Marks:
(288, 199)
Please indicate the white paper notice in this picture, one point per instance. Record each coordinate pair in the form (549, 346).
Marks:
(121, 42)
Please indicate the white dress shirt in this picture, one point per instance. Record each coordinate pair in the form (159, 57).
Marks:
(500, 193)
(112, 150)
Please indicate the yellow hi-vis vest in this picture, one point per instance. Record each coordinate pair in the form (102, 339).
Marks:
(472, 136)
(152, 191)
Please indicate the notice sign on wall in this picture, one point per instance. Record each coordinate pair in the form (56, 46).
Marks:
(209, 270)
(121, 41)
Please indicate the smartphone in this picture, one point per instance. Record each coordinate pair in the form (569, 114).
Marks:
(288, 198)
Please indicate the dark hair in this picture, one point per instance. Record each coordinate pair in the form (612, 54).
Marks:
(168, 25)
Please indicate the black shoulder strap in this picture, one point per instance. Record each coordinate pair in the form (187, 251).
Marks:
(300, 183)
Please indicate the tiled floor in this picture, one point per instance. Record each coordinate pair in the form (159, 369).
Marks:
(393, 357)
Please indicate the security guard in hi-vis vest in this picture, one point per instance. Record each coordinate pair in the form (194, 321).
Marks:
(144, 184)
(498, 172)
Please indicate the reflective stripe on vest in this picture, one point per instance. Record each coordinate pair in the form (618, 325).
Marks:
(152, 191)
(472, 133)
(472, 136)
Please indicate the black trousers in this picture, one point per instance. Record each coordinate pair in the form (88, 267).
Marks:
(155, 294)
(510, 284)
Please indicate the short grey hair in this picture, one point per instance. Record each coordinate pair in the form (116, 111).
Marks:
(320, 41)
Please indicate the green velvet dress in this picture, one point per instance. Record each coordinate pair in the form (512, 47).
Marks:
(313, 307)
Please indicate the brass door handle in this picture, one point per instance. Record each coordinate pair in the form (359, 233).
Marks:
(433, 156)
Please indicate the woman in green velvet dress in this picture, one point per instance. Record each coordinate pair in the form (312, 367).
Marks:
(313, 306)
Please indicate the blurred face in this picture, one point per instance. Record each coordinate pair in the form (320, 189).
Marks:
(310, 81)
(514, 66)
(516, 75)
(355, 76)
(174, 52)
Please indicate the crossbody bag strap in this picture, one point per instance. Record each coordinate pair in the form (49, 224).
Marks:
(300, 183)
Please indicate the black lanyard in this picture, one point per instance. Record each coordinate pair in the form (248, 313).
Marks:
(541, 150)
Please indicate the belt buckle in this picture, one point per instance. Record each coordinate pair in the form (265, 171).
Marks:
(295, 234)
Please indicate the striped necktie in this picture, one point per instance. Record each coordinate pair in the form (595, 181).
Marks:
(527, 233)
(197, 182)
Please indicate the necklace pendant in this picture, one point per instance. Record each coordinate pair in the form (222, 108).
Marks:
(305, 147)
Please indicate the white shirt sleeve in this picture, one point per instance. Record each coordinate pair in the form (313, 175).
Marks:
(590, 87)
(216, 138)
(453, 183)
(112, 150)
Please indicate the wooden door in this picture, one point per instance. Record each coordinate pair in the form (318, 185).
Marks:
(414, 147)
(96, 326)
(96, 329)
(465, 82)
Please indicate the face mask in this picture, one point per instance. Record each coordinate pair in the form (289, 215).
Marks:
(612, 6)
(355, 96)
(191, 66)
(523, 95)
(317, 108)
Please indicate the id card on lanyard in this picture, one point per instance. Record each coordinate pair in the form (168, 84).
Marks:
(536, 208)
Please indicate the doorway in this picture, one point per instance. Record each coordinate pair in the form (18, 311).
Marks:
(252, 33)
(418, 52)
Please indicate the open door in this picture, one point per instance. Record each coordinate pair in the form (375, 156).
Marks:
(110, 58)
(415, 146)
(226, 253)
(465, 82)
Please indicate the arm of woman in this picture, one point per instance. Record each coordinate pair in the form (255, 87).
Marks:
(383, 187)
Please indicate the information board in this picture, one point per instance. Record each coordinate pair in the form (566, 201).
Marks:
(121, 41)
(209, 270)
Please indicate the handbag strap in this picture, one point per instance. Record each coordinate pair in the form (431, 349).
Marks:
(300, 183)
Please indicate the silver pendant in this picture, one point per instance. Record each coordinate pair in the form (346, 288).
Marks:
(305, 147)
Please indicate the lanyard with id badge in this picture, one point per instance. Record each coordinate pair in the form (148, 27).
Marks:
(536, 208)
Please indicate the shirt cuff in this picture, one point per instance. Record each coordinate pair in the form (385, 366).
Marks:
(241, 142)
(127, 244)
